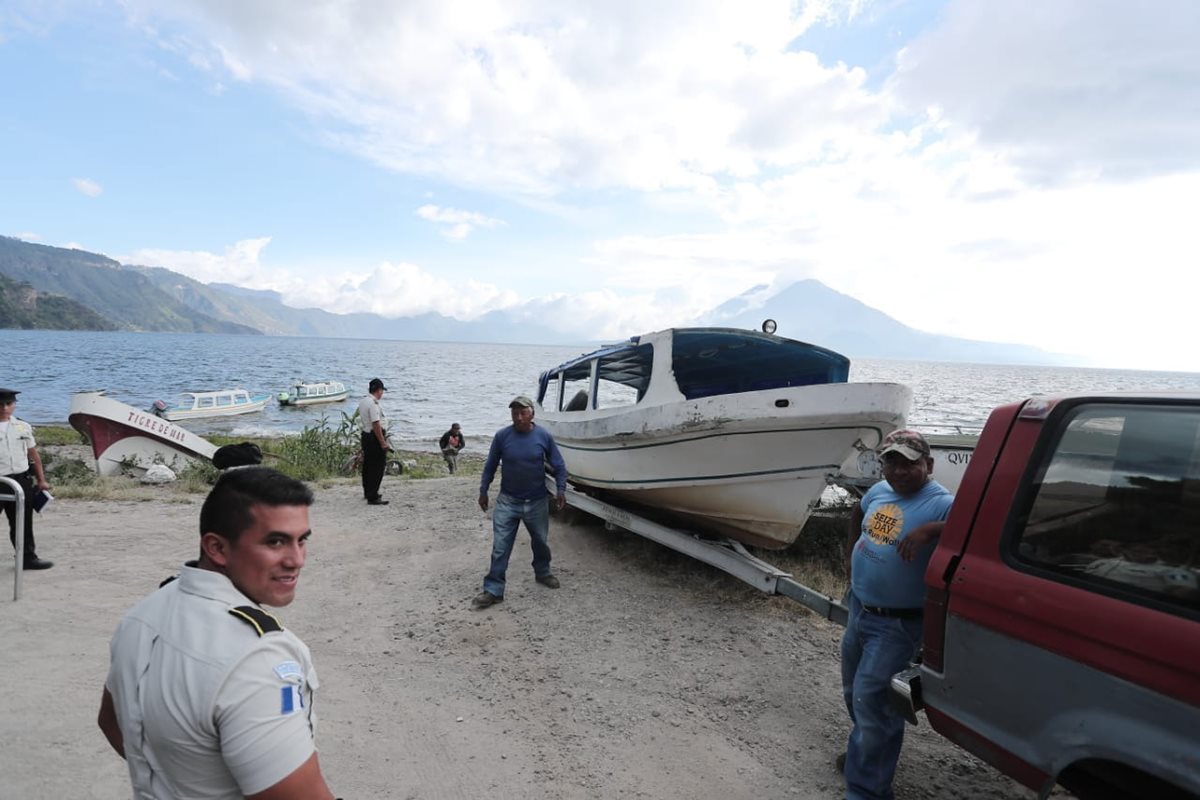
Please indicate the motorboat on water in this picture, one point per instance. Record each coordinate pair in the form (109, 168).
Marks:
(733, 431)
(221, 403)
(124, 437)
(307, 394)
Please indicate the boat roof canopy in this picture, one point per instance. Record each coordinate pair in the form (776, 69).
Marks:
(713, 361)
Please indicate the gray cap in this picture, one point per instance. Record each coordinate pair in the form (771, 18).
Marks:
(521, 401)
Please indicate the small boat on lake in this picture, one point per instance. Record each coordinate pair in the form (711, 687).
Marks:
(221, 403)
(307, 394)
(124, 437)
(734, 431)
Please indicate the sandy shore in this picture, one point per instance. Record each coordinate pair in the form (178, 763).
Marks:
(647, 675)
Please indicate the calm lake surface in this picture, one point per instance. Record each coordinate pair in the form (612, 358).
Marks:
(432, 384)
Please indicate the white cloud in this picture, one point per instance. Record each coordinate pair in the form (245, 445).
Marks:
(1070, 90)
(87, 187)
(27, 236)
(455, 224)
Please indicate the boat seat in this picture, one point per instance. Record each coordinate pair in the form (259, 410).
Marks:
(579, 402)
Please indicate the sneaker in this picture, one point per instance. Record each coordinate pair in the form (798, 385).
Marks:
(549, 581)
(485, 600)
(378, 501)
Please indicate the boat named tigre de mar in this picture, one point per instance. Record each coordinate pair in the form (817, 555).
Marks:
(124, 437)
(733, 431)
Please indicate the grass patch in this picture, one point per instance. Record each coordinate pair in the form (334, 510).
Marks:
(57, 435)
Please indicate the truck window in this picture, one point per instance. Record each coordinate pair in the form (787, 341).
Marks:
(1115, 505)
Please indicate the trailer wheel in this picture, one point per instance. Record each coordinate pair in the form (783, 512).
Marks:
(394, 468)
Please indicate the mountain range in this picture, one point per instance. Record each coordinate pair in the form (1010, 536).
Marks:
(82, 290)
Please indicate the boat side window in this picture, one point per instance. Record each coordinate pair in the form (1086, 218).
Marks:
(1115, 506)
(204, 402)
(623, 377)
(224, 400)
(549, 394)
(575, 389)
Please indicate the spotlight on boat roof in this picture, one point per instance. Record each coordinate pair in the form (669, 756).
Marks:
(768, 326)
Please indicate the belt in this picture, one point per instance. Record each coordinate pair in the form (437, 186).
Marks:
(899, 613)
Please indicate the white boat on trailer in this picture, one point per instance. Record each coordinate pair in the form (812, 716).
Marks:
(220, 403)
(307, 394)
(734, 431)
(123, 436)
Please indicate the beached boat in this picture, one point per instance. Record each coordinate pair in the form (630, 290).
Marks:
(221, 403)
(124, 437)
(951, 453)
(733, 431)
(307, 394)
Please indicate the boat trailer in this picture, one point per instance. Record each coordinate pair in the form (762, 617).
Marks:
(726, 555)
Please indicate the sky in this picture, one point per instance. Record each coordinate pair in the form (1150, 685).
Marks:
(1021, 171)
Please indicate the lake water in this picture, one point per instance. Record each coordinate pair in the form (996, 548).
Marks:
(432, 384)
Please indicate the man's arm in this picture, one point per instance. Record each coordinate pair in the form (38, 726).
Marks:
(377, 429)
(853, 531)
(108, 723)
(305, 783)
(922, 535)
(489, 471)
(560, 471)
(35, 461)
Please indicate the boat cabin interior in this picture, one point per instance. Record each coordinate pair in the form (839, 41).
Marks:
(704, 362)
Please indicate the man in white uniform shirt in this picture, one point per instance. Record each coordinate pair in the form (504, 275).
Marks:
(374, 441)
(207, 695)
(18, 453)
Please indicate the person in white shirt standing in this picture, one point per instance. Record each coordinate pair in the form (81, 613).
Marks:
(374, 442)
(18, 453)
(208, 695)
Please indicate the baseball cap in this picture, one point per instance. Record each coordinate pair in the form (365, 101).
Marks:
(376, 384)
(907, 443)
(521, 401)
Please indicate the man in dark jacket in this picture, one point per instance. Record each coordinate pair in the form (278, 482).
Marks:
(451, 442)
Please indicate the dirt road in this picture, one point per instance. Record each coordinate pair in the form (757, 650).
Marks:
(645, 676)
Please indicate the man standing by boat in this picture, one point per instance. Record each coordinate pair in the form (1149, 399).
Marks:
(18, 453)
(374, 441)
(524, 449)
(888, 547)
(207, 694)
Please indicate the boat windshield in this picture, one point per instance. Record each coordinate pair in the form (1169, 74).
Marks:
(713, 361)
(622, 376)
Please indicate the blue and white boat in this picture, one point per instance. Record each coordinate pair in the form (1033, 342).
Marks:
(734, 431)
(221, 403)
(307, 394)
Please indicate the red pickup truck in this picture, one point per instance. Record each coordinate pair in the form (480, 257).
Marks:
(1062, 617)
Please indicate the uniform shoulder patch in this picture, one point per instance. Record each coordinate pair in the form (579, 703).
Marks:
(260, 620)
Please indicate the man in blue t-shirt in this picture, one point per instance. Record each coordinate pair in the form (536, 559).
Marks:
(892, 531)
(524, 449)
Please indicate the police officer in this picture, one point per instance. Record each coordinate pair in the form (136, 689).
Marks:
(374, 441)
(18, 452)
(208, 695)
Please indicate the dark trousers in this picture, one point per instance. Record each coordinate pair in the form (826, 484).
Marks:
(372, 466)
(10, 509)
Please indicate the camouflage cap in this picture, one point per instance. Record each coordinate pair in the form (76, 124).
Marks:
(909, 444)
(521, 401)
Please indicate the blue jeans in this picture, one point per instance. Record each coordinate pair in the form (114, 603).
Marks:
(506, 516)
(874, 648)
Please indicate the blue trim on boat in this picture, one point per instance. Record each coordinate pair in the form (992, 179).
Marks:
(701, 437)
(699, 478)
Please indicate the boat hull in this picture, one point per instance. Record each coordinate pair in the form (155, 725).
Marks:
(124, 437)
(951, 454)
(750, 466)
(312, 401)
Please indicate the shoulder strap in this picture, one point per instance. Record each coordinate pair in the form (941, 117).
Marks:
(258, 619)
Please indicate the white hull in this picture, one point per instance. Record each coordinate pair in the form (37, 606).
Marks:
(123, 436)
(951, 454)
(748, 465)
(310, 394)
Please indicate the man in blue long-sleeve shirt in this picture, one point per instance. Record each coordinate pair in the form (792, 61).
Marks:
(523, 449)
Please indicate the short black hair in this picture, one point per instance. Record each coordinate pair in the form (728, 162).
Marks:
(226, 510)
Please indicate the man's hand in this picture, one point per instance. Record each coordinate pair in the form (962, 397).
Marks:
(560, 501)
(911, 544)
(483, 502)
